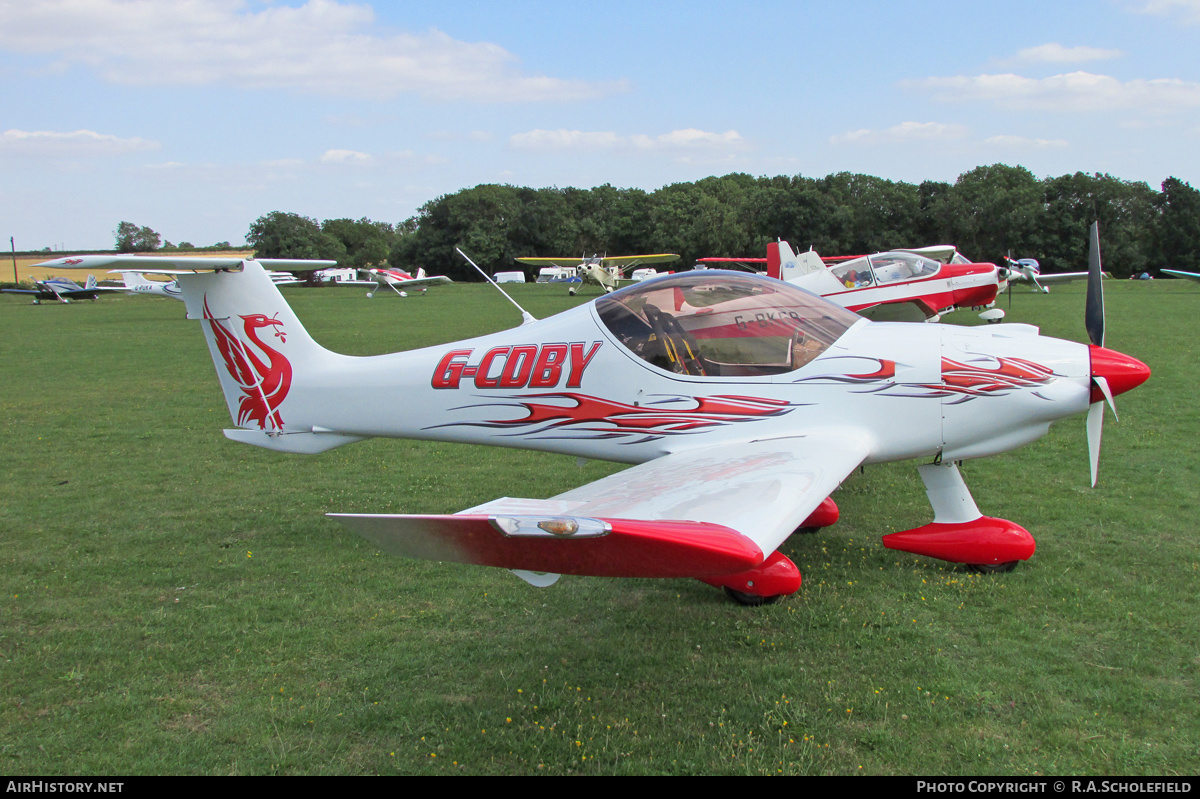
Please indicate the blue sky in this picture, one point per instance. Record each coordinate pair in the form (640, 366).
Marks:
(195, 117)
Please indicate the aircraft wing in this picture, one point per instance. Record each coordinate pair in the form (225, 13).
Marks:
(1177, 273)
(532, 261)
(1051, 278)
(697, 513)
(418, 282)
(638, 260)
(943, 253)
(176, 265)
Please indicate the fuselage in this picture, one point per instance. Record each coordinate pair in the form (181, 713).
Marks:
(698, 359)
(896, 277)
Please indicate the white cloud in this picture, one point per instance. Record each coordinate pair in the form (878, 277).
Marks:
(905, 132)
(345, 157)
(323, 46)
(1075, 92)
(1055, 53)
(1189, 10)
(75, 144)
(677, 142)
(573, 140)
(1023, 143)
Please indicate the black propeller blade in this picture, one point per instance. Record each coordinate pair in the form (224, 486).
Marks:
(1093, 317)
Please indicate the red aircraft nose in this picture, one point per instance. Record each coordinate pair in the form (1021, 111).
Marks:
(1121, 371)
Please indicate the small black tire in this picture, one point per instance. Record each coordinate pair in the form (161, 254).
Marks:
(750, 600)
(993, 568)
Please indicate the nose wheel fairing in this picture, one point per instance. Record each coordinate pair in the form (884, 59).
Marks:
(959, 533)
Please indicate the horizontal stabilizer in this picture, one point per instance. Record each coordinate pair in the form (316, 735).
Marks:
(563, 544)
(178, 265)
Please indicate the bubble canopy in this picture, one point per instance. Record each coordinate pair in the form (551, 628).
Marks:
(711, 323)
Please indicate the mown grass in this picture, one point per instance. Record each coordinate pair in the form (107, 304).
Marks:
(175, 603)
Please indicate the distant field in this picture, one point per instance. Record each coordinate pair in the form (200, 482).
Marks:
(26, 270)
(175, 603)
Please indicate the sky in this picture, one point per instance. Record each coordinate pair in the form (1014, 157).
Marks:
(196, 117)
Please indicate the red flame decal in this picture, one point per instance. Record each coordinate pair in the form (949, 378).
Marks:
(976, 381)
(606, 418)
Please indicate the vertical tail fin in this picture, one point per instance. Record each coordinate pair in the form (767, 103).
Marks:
(792, 266)
(132, 279)
(260, 350)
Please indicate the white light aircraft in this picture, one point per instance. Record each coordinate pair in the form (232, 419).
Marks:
(398, 279)
(137, 283)
(742, 401)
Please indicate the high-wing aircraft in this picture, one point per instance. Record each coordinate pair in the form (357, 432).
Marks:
(900, 285)
(402, 282)
(742, 401)
(63, 289)
(601, 270)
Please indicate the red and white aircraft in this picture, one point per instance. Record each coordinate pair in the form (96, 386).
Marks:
(402, 282)
(897, 286)
(742, 401)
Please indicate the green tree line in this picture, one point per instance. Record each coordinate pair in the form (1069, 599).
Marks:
(987, 213)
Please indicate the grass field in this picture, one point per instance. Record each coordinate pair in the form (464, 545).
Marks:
(175, 603)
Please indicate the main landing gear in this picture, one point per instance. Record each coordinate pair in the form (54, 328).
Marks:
(959, 533)
(777, 576)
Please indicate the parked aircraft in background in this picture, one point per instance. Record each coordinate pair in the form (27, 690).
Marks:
(397, 279)
(63, 289)
(896, 286)
(137, 283)
(743, 400)
(1028, 270)
(558, 274)
(600, 270)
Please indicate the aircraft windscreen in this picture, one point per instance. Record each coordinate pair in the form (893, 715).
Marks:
(892, 266)
(722, 324)
(854, 274)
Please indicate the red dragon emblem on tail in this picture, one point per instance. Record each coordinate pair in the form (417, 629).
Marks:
(264, 385)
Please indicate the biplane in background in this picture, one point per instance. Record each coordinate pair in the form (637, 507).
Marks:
(743, 401)
(605, 271)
